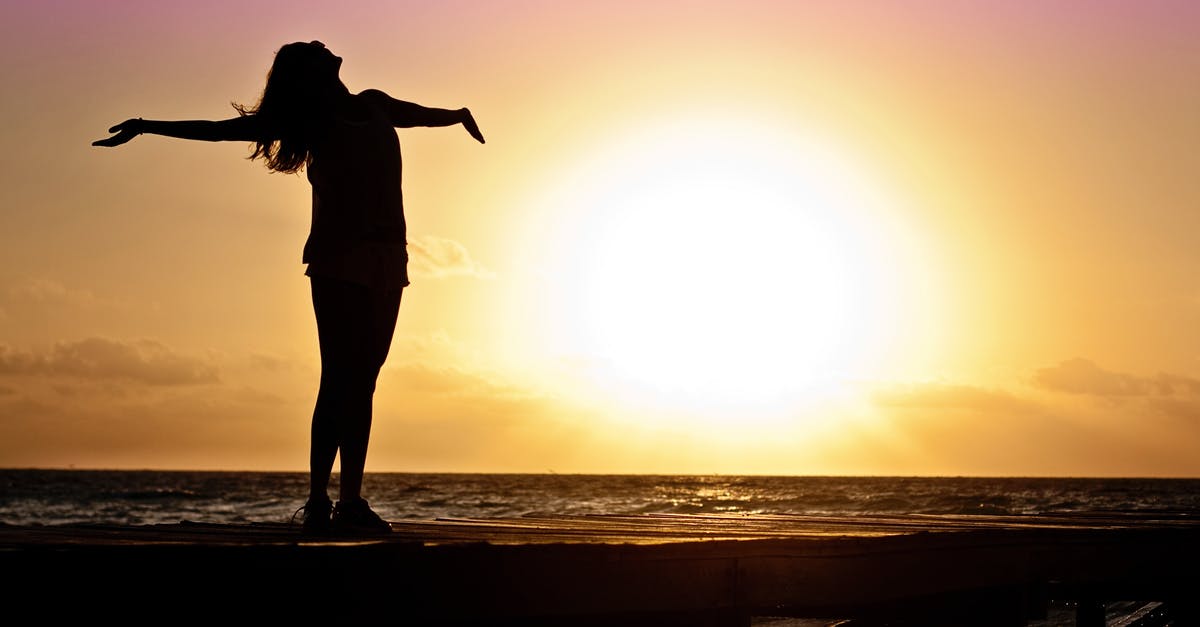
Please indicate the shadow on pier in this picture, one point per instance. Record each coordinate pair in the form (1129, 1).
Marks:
(660, 570)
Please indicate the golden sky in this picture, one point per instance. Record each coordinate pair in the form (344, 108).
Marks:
(925, 237)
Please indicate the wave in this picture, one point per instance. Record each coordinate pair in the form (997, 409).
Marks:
(144, 497)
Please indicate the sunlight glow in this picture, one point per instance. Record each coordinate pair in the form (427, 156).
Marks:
(715, 268)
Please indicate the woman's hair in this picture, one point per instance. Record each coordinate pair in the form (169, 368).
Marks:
(296, 105)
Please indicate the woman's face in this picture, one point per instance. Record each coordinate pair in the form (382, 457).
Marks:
(325, 61)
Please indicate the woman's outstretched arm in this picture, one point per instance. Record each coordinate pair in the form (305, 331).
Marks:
(247, 128)
(406, 114)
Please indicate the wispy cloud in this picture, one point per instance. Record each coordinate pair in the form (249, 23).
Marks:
(142, 361)
(438, 258)
(455, 383)
(47, 292)
(947, 396)
(1083, 377)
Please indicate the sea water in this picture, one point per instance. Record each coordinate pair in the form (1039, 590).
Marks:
(52, 497)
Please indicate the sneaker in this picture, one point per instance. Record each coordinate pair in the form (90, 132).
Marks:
(316, 519)
(355, 518)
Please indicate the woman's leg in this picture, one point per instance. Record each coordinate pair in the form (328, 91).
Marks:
(355, 326)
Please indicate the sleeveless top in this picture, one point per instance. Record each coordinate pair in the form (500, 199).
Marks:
(358, 229)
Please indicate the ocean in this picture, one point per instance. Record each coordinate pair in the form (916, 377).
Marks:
(53, 497)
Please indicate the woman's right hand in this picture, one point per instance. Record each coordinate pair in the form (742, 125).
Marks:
(472, 128)
(125, 131)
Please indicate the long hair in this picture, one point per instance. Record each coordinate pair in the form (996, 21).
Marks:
(295, 106)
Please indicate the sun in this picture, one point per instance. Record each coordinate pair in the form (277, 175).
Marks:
(716, 267)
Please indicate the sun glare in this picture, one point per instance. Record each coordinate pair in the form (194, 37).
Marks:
(710, 268)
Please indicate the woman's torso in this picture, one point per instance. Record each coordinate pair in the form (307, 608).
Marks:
(358, 228)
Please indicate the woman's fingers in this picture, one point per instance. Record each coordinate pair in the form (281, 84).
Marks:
(116, 140)
(123, 132)
(473, 128)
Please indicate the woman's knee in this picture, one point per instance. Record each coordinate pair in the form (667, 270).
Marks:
(349, 380)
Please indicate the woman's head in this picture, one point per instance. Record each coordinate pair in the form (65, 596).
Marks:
(306, 67)
(297, 102)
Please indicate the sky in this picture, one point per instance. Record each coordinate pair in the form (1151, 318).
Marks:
(929, 237)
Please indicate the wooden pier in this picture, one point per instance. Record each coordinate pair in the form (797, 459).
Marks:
(660, 570)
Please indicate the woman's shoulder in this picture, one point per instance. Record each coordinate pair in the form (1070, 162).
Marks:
(376, 101)
(375, 96)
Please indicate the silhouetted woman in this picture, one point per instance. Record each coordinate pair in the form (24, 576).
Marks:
(356, 256)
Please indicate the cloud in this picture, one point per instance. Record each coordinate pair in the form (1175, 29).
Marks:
(438, 258)
(271, 363)
(947, 396)
(949, 428)
(51, 293)
(1179, 408)
(143, 361)
(1083, 377)
(454, 383)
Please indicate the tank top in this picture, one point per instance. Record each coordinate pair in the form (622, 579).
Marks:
(358, 229)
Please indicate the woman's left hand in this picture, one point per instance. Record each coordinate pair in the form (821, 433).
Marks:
(125, 131)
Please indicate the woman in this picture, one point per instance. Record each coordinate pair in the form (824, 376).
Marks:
(357, 262)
